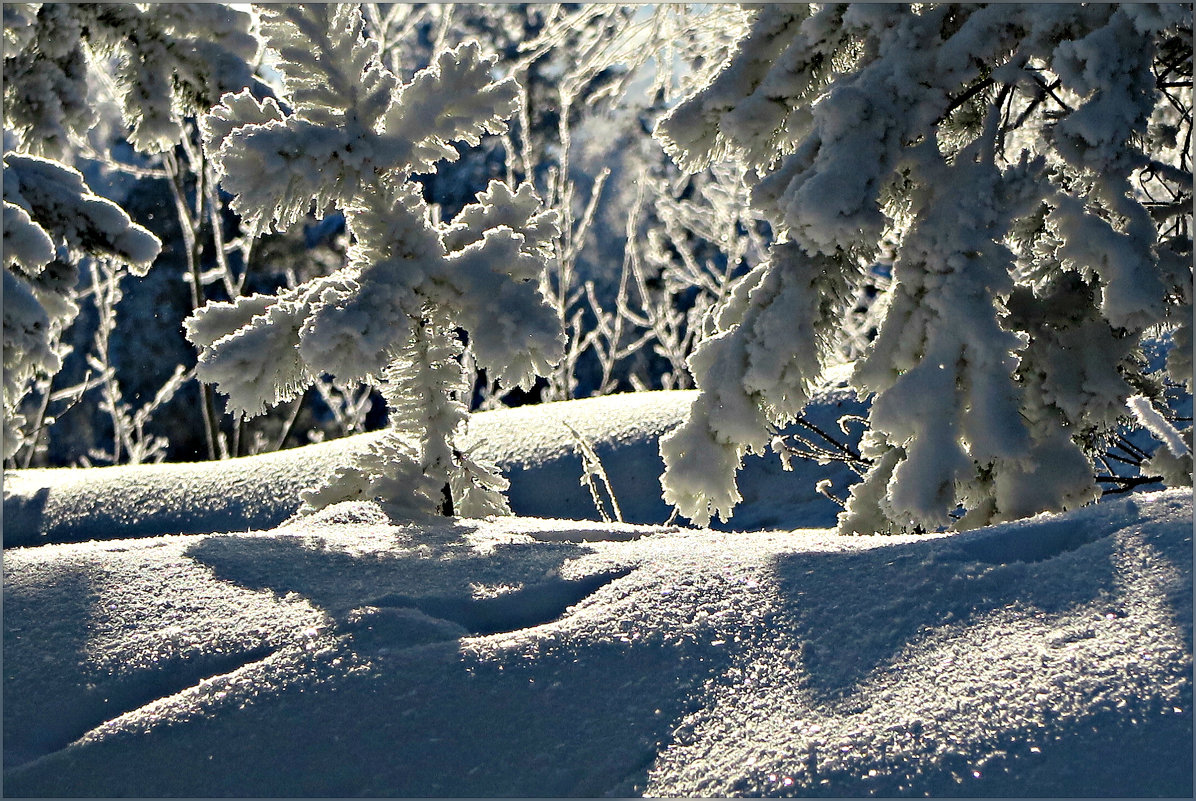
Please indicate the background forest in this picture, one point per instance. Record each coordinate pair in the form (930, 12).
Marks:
(127, 391)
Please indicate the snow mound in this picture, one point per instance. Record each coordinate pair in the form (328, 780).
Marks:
(344, 655)
(534, 445)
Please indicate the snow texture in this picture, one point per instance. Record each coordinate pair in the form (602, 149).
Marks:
(352, 653)
(532, 445)
(348, 655)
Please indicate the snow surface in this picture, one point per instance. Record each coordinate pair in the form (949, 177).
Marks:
(345, 653)
(532, 444)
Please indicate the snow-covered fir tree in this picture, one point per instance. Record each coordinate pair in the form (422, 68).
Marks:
(350, 134)
(1032, 163)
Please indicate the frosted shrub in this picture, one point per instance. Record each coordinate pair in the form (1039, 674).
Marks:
(52, 221)
(167, 62)
(1031, 165)
(350, 135)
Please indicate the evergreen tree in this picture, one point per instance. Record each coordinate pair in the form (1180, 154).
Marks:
(170, 62)
(51, 222)
(350, 135)
(1032, 164)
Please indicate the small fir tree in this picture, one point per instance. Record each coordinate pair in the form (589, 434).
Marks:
(349, 134)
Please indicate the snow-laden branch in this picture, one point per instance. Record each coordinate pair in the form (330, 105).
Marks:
(1027, 269)
(51, 222)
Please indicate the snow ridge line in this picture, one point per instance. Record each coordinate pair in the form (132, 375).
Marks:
(144, 691)
(522, 609)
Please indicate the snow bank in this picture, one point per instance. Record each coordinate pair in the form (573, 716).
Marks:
(346, 655)
(532, 445)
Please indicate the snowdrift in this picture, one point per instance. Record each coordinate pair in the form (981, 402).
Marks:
(347, 655)
(534, 445)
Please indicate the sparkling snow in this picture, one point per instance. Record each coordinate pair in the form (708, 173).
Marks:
(345, 653)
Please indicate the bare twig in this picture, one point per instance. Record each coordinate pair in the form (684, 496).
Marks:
(591, 468)
(192, 252)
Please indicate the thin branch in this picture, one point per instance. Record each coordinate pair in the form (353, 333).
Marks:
(839, 446)
(289, 423)
(37, 429)
(1131, 448)
(593, 467)
(1122, 484)
(192, 251)
(967, 95)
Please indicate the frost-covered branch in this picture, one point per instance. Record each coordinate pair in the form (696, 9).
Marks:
(172, 60)
(51, 222)
(998, 149)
